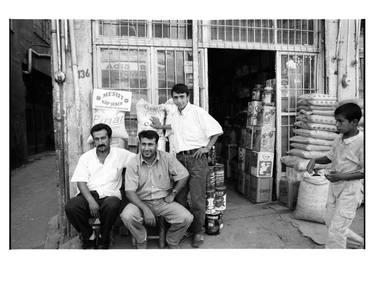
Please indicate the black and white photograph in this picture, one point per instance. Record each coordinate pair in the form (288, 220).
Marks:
(192, 138)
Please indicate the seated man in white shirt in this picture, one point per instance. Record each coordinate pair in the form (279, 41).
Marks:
(99, 177)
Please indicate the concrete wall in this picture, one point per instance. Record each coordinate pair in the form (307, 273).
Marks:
(341, 65)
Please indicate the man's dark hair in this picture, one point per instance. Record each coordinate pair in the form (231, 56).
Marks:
(350, 111)
(180, 89)
(99, 127)
(149, 134)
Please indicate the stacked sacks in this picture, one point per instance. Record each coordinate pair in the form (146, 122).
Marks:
(145, 111)
(316, 129)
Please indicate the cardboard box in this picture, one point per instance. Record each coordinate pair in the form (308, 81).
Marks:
(241, 183)
(253, 111)
(248, 160)
(261, 164)
(249, 137)
(241, 158)
(263, 139)
(259, 190)
(288, 192)
(267, 116)
(242, 137)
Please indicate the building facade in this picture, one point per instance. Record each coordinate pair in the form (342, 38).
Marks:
(219, 60)
(31, 126)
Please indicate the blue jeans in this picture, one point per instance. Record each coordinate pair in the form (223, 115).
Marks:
(198, 169)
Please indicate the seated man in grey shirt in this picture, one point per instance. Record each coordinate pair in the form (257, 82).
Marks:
(150, 192)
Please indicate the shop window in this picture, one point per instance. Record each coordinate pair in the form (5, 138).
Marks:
(254, 31)
(174, 66)
(123, 28)
(125, 69)
(172, 29)
(295, 32)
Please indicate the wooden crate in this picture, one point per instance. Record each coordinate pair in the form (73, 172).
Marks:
(259, 190)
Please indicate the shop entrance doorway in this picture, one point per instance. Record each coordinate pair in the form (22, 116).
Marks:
(232, 75)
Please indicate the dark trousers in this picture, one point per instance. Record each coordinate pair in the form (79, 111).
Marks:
(198, 169)
(78, 213)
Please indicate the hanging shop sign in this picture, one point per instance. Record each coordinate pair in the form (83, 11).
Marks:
(113, 99)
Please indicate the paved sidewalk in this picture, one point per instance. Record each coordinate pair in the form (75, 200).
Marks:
(33, 201)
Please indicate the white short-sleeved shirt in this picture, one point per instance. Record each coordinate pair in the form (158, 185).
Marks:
(103, 178)
(193, 127)
(347, 156)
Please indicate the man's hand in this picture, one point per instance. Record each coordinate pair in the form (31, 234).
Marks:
(334, 176)
(170, 197)
(200, 152)
(149, 217)
(94, 208)
(310, 165)
(156, 124)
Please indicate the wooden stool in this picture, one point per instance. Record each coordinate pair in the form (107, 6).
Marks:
(157, 232)
(95, 224)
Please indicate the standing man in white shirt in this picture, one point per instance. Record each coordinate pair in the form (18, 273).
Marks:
(195, 132)
(99, 177)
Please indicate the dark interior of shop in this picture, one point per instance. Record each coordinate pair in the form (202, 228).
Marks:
(232, 74)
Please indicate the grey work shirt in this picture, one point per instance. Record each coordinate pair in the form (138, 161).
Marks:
(153, 181)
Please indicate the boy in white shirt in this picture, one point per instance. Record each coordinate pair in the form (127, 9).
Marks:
(345, 191)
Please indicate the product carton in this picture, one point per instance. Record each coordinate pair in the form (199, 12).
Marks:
(254, 109)
(259, 190)
(261, 164)
(263, 139)
(288, 192)
(241, 158)
(266, 116)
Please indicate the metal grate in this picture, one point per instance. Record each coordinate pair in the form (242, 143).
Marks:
(174, 67)
(259, 31)
(125, 69)
(298, 76)
(295, 32)
(123, 28)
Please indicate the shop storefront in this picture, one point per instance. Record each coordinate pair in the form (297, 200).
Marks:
(221, 61)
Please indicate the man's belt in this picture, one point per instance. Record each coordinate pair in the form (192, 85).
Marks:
(188, 152)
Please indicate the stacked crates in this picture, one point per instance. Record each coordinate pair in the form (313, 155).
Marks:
(256, 153)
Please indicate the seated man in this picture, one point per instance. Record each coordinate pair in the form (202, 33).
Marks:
(99, 176)
(148, 187)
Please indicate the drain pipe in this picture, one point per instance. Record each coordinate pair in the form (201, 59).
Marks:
(58, 122)
(30, 53)
(75, 83)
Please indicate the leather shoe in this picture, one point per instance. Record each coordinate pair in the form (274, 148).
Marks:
(197, 240)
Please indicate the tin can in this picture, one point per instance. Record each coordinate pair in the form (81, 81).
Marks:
(210, 197)
(210, 183)
(219, 174)
(213, 223)
(212, 156)
(220, 198)
(253, 112)
(256, 93)
(267, 95)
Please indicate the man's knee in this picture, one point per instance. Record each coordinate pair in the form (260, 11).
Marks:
(126, 216)
(187, 218)
(112, 203)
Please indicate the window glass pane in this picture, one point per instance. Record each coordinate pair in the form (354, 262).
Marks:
(161, 69)
(163, 95)
(180, 66)
(181, 29)
(158, 30)
(166, 28)
(170, 69)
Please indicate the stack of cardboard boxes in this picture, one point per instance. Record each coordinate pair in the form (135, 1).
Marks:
(256, 153)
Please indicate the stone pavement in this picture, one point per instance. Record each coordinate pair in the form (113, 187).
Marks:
(246, 225)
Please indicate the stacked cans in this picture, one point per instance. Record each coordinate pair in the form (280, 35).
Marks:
(215, 196)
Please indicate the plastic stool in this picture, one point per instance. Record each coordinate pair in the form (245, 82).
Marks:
(160, 230)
